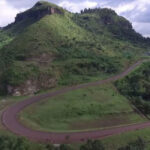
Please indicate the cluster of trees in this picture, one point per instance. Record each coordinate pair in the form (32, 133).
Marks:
(136, 87)
(138, 144)
(12, 143)
(98, 10)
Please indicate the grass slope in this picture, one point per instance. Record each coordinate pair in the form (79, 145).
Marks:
(23, 60)
(84, 109)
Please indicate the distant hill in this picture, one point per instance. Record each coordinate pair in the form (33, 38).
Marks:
(118, 26)
(48, 46)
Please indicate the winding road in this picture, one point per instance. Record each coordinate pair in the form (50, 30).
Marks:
(10, 118)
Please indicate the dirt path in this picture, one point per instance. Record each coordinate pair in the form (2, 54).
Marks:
(11, 122)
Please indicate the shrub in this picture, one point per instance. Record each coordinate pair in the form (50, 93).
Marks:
(139, 144)
(92, 145)
(10, 143)
(136, 87)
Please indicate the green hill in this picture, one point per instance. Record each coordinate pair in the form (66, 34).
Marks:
(48, 46)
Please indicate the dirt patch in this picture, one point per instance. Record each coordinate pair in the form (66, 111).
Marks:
(108, 121)
(32, 86)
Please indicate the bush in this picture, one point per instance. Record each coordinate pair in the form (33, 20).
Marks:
(136, 87)
(92, 145)
(139, 144)
(9, 143)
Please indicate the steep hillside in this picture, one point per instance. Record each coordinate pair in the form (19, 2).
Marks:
(47, 46)
(118, 26)
(136, 87)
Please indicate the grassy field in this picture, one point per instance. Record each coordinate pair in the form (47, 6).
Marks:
(83, 109)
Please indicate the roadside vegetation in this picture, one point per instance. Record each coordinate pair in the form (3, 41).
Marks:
(14, 143)
(136, 87)
(139, 144)
(122, 140)
(10, 142)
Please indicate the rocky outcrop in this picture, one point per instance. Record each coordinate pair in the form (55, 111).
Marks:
(31, 87)
(37, 12)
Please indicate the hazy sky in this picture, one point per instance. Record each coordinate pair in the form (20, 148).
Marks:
(137, 11)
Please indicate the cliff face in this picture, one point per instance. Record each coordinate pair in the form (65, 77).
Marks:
(37, 12)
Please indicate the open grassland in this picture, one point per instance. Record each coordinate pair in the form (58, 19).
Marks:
(83, 109)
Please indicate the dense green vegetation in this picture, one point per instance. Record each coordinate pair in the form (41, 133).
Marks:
(92, 145)
(122, 140)
(4, 39)
(139, 144)
(118, 26)
(68, 48)
(136, 87)
(13, 143)
(10, 143)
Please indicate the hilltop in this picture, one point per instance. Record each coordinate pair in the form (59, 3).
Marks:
(48, 46)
